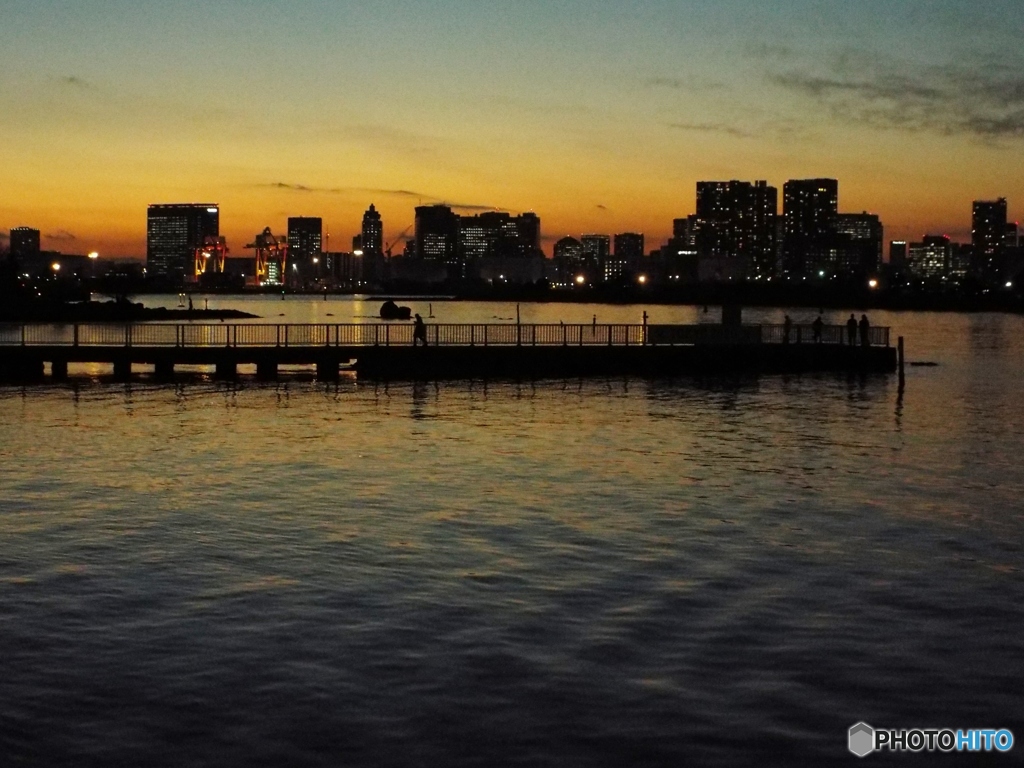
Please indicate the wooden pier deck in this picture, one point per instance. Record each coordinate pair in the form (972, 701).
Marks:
(386, 350)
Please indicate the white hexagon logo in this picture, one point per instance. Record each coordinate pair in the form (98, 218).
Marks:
(862, 739)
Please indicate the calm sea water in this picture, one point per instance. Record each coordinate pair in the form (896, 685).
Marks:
(700, 571)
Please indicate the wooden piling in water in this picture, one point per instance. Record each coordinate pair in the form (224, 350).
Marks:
(899, 362)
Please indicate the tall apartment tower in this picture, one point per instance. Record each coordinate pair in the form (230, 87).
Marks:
(809, 207)
(173, 233)
(373, 231)
(371, 243)
(988, 237)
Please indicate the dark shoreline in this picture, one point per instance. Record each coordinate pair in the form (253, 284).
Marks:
(741, 295)
(111, 312)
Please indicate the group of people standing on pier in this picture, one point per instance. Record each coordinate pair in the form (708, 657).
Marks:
(853, 327)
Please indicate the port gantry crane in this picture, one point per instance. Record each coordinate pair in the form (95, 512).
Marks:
(213, 249)
(269, 251)
(396, 241)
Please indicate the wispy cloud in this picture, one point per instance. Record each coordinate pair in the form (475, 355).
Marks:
(74, 81)
(60, 236)
(421, 197)
(984, 101)
(683, 84)
(295, 187)
(728, 130)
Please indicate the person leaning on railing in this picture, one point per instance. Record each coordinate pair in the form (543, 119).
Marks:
(865, 331)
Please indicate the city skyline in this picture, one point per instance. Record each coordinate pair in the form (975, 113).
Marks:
(599, 118)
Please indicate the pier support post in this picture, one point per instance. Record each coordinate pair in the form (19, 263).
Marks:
(164, 369)
(122, 370)
(226, 370)
(59, 370)
(267, 370)
(899, 353)
(327, 370)
(22, 370)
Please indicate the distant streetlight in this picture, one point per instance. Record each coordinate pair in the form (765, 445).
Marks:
(1009, 284)
(580, 279)
(94, 255)
(357, 252)
(642, 279)
(872, 284)
(55, 266)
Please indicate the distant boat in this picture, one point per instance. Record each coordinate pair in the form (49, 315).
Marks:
(391, 311)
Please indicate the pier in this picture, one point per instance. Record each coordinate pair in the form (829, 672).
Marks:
(386, 350)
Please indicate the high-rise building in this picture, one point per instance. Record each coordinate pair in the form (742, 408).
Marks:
(735, 225)
(437, 238)
(988, 237)
(898, 254)
(596, 249)
(371, 243)
(809, 208)
(499, 234)
(174, 232)
(568, 263)
(1012, 239)
(858, 244)
(305, 243)
(373, 232)
(627, 258)
(930, 259)
(24, 243)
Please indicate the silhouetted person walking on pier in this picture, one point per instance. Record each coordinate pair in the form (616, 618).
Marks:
(851, 330)
(787, 327)
(816, 327)
(419, 331)
(865, 328)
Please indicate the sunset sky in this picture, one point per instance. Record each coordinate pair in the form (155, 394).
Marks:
(600, 115)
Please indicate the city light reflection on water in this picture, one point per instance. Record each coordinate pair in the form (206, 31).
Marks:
(583, 572)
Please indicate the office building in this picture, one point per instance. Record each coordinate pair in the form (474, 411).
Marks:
(596, 249)
(898, 254)
(627, 257)
(305, 238)
(809, 209)
(305, 243)
(499, 234)
(567, 264)
(437, 238)
(859, 238)
(734, 228)
(173, 233)
(930, 259)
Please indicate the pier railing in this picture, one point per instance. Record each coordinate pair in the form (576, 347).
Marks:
(398, 335)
